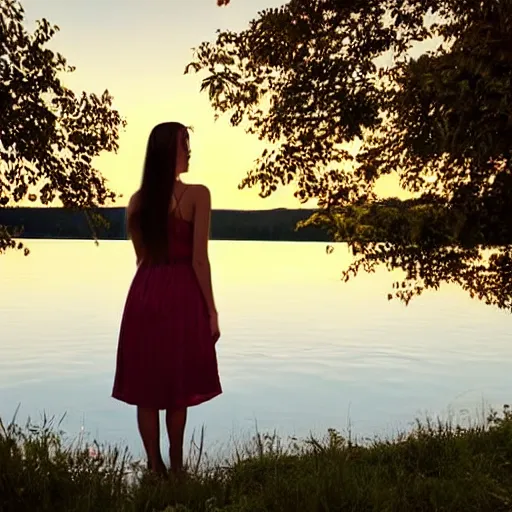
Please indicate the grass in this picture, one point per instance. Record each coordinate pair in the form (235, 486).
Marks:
(436, 467)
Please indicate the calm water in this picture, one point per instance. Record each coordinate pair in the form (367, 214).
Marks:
(301, 351)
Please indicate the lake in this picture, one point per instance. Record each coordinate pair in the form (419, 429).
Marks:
(300, 351)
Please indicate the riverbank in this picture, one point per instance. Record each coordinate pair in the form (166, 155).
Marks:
(437, 467)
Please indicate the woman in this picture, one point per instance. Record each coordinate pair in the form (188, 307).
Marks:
(166, 356)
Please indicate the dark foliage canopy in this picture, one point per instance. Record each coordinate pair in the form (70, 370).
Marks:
(49, 136)
(348, 91)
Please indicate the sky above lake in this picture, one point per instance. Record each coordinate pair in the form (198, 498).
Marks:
(138, 49)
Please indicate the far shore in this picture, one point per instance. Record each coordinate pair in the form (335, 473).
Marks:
(256, 225)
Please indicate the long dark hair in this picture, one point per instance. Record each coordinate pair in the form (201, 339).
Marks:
(157, 188)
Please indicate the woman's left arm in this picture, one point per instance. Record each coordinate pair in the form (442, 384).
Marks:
(133, 231)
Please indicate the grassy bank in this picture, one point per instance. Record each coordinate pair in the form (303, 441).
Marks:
(437, 467)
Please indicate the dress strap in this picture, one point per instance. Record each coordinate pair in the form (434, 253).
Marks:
(177, 208)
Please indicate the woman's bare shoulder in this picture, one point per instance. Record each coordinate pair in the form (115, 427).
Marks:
(134, 203)
(200, 193)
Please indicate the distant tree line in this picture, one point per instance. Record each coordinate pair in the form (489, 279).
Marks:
(390, 220)
(109, 223)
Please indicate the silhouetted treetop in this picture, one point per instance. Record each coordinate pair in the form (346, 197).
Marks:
(49, 136)
(346, 92)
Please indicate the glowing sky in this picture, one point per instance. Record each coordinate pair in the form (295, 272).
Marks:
(138, 49)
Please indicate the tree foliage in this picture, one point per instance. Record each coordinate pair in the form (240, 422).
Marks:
(346, 92)
(48, 135)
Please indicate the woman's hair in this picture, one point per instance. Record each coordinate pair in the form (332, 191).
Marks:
(157, 189)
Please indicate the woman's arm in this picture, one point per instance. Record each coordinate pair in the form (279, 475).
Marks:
(133, 231)
(201, 262)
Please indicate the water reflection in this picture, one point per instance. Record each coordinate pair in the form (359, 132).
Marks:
(300, 351)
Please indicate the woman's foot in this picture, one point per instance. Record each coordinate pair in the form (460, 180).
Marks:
(179, 475)
(158, 469)
(177, 469)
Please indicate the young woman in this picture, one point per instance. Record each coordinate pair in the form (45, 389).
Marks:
(166, 357)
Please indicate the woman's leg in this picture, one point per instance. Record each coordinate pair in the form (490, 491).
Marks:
(176, 421)
(149, 428)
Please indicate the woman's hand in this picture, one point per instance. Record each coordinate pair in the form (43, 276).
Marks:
(214, 326)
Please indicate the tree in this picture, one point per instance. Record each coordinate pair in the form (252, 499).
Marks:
(333, 86)
(48, 135)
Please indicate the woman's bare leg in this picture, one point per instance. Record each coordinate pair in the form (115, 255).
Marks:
(149, 428)
(176, 421)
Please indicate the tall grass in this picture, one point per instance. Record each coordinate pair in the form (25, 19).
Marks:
(436, 467)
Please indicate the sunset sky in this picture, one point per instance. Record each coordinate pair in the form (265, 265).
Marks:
(138, 49)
